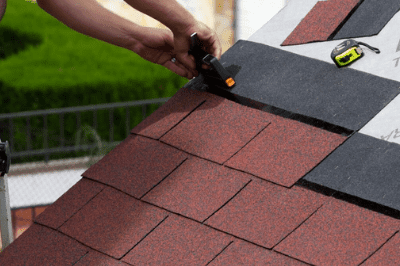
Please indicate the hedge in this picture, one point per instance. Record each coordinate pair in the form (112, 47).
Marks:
(44, 64)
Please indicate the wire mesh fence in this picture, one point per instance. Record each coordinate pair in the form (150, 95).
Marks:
(50, 149)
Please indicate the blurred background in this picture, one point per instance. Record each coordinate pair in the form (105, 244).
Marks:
(68, 99)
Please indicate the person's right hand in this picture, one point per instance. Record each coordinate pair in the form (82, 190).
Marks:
(157, 46)
(208, 38)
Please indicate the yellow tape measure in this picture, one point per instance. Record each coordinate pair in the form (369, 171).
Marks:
(348, 52)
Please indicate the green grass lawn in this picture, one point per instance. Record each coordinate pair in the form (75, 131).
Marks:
(44, 64)
(55, 55)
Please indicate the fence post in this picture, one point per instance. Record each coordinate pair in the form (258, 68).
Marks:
(28, 134)
(144, 111)
(45, 137)
(111, 118)
(62, 129)
(127, 120)
(5, 213)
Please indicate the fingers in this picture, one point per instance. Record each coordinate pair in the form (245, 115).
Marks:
(188, 61)
(181, 48)
(179, 69)
(217, 48)
(210, 40)
(210, 43)
(184, 65)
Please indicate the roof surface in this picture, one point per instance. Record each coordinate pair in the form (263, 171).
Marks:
(322, 22)
(272, 172)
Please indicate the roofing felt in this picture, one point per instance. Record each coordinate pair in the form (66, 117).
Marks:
(338, 19)
(369, 19)
(322, 22)
(370, 173)
(386, 64)
(306, 86)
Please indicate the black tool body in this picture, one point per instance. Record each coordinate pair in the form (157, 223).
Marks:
(217, 73)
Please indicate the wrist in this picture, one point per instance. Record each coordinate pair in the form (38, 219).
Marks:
(182, 25)
(133, 35)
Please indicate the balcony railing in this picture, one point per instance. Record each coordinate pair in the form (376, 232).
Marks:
(8, 119)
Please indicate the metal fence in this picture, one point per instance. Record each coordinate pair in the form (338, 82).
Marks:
(46, 151)
(8, 121)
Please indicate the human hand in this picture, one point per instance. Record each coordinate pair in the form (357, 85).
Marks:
(208, 38)
(3, 4)
(157, 46)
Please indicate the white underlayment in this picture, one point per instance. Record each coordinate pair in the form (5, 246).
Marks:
(386, 124)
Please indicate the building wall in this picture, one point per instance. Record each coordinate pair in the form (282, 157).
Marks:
(23, 218)
(217, 14)
(251, 15)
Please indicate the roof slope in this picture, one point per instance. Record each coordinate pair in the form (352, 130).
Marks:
(205, 180)
(322, 22)
(340, 19)
(305, 86)
(272, 172)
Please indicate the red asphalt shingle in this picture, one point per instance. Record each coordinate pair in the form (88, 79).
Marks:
(136, 165)
(389, 254)
(321, 22)
(171, 113)
(113, 222)
(285, 151)
(243, 253)
(42, 246)
(97, 259)
(217, 129)
(69, 203)
(264, 213)
(178, 241)
(197, 189)
(339, 234)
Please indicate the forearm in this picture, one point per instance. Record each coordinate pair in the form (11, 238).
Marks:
(168, 12)
(90, 18)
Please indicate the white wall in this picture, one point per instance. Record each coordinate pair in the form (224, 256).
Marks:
(251, 15)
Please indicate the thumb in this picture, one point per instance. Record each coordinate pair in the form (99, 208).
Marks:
(181, 46)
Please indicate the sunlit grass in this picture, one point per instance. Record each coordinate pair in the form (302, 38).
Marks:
(66, 58)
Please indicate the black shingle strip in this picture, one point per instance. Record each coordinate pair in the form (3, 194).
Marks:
(362, 167)
(305, 86)
(369, 18)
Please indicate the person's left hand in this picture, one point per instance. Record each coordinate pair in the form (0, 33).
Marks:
(157, 46)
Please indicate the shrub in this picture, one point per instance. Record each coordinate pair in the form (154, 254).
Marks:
(44, 64)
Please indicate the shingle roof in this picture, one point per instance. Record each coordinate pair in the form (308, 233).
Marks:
(188, 197)
(340, 19)
(322, 22)
(369, 19)
(272, 172)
